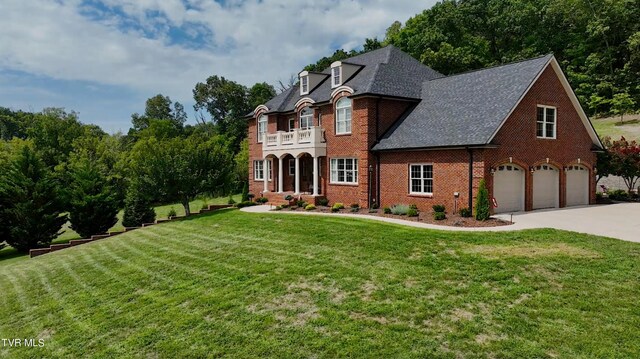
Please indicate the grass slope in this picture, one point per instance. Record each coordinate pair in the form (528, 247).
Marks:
(266, 285)
(612, 127)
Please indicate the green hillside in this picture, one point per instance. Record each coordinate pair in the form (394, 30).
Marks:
(265, 285)
(612, 127)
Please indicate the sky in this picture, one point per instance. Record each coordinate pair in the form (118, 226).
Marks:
(104, 58)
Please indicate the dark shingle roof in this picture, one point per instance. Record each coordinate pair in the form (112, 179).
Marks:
(464, 109)
(385, 72)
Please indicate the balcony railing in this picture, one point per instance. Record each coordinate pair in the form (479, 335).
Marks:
(298, 138)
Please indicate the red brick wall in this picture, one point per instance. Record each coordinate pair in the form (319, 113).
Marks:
(517, 138)
(450, 174)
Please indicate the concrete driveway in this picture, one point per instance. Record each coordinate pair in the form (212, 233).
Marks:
(620, 220)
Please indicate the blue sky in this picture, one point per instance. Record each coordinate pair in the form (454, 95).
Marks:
(104, 58)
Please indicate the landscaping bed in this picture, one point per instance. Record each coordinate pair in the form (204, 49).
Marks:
(454, 220)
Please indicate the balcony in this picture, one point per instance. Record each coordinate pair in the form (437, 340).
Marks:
(295, 142)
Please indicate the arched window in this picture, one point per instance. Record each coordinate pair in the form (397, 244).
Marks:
(262, 127)
(343, 116)
(306, 118)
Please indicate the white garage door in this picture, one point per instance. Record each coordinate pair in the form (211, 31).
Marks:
(577, 186)
(546, 186)
(508, 188)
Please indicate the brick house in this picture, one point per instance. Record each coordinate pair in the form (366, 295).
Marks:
(381, 128)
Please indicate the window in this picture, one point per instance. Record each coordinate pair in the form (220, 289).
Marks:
(258, 170)
(546, 122)
(343, 116)
(262, 127)
(292, 124)
(421, 179)
(336, 74)
(304, 85)
(306, 118)
(292, 167)
(344, 170)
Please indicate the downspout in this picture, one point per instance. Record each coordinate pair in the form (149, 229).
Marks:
(377, 154)
(470, 150)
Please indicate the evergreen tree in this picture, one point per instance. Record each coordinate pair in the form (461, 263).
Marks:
(93, 201)
(245, 192)
(483, 208)
(137, 207)
(30, 204)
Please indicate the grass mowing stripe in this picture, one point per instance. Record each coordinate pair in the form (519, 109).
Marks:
(128, 263)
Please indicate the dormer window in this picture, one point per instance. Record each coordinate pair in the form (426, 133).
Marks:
(304, 85)
(336, 76)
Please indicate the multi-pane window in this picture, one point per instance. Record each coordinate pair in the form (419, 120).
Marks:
(344, 170)
(262, 127)
(292, 124)
(304, 85)
(421, 177)
(292, 167)
(343, 116)
(306, 118)
(546, 122)
(336, 74)
(258, 170)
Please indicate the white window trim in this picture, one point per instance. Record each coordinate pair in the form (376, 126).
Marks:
(292, 167)
(256, 164)
(422, 179)
(307, 118)
(292, 124)
(344, 108)
(266, 122)
(355, 170)
(333, 76)
(303, 90)
(544, 122)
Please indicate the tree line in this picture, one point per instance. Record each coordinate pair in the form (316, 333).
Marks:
(57, 169)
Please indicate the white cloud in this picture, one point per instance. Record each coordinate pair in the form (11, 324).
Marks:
(271, 39)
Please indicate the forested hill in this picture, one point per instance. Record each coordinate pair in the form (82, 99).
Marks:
(597, 42)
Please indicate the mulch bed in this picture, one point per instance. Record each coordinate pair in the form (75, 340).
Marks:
(453, 220)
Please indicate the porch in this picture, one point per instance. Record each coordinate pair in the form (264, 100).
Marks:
(277, 199)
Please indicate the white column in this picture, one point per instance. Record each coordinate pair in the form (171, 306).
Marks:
(280, 186)
(265, 175)
(315, 175)
(297, 177)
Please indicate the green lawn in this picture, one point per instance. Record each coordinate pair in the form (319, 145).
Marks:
(612, 127)
(275, 285)
(161, 212)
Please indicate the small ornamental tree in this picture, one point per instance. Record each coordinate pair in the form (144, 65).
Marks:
(622, 103)
(31, 208)
(483, 208)
(245, 192)
(625, 161)
(93, 202)
(137, 207)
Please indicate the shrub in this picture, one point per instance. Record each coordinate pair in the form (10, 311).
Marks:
(137, 208)
(413, 206)
(172, 213)
(278, 208)
(245, 192)
(465, 212)
(618, 195)
(300, 203)
(310, 207)
(354, 210)
(334, 209)
(412, 212)
(355, 205)
(262, 200)
(323, 202)
(373, 210)
(288, 197)
(284, 205)
(231, 200)
(245, 204)
(438, 208)
(375, 205)
(438, 216)
(400, 209)
(338, 206)
(386, 210)
(483, 208)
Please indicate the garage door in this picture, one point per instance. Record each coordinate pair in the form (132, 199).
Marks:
(546, 186)
(508, 188)
(577, 186)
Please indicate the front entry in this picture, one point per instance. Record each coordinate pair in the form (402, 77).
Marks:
(508, 188)
(546, 187)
